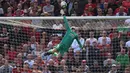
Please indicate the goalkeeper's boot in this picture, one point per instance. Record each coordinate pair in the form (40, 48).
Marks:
(48, 53)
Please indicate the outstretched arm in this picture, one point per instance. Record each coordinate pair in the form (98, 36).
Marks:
(80, 45)
(67, 27)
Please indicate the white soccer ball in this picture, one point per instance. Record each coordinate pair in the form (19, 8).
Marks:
(63, 4)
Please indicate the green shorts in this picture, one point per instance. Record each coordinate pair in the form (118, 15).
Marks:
(60, 48)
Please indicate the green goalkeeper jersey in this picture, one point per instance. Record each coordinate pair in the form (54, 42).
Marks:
(67, 40)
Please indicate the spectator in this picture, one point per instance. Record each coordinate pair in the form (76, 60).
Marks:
(122, 44)
(29, 60)
(128, 66)
(74, 11)
(4, 37)
(33, 44)
(70, 6)
(110, 12)
(57, 7)
(95, 68)
(81, 7)
(61, 66)
(43, 40)
(48, 8)
(38, 51)
(6, 68)
(113, 69)
(91, 39)
(45, 69)
(39, 62)
(95, 9)
(35, 33)
(1, 57)
(6, 48)
(127, 44)
(9, 12)
(115, 44)
(128, 52)
(70, 60)
(118, 9)
(26, 68)
(65, 57)
(1, 11)
(55, 59)
(102, 4)
(78, 71)
(109, 59)
(99, 12)
(18, 49)
(6, 57)
(93, 53)
(19, 11)
(84, 67)
(33, 12)
(57, 25)
(5, 4)
(127, 70)
(104, 36)
(25, 51)
(88, 12)
(112, 4)
(86, 51)
(15, 36)
(19, 59)
(65, 69)
(119, 2)
(90, 4)
(121, 12)
(17, 69)
(127, 21)
(77, 59)
(51, 66)
(126, 3)
(118, 65)
(123, 58)
(12, 53)
(105, 8)
(35, 68)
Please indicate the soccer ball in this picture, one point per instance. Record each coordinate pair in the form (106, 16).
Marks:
(63, 4)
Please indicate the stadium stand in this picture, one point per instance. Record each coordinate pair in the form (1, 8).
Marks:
(74, 8)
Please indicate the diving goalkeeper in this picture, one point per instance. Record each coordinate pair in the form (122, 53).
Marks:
(66, 42)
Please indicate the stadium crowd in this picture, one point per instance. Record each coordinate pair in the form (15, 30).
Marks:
(73, 8)
(22, 51)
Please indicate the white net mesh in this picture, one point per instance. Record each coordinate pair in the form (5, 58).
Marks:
(23, 42)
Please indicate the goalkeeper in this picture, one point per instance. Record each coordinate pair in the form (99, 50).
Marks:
(66, 42)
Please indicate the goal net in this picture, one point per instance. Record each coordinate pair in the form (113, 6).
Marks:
(24, 40)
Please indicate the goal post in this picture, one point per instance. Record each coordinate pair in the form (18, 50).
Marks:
(26, 39)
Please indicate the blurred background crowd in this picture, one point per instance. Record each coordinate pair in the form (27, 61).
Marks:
(22, 51)
(74, 8)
